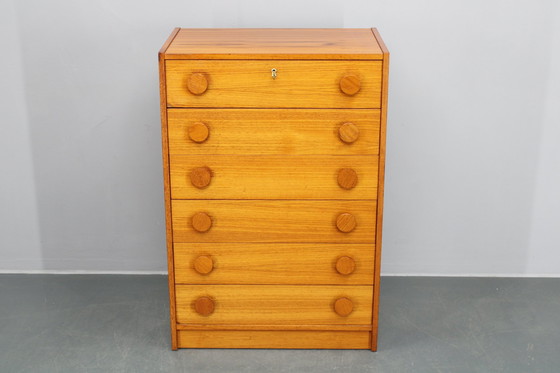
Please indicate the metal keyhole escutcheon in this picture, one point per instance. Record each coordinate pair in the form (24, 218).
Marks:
(273, 71)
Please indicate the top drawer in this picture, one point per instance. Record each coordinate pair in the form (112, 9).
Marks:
(250, 83)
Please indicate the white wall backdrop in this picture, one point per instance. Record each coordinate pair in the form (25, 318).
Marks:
(473, 152)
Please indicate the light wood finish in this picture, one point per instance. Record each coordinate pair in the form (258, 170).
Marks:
(346, 222)
(296, 44)
(275, 304)
(275, 221)
(201, 222)
(272, 132)
(197, 83)
(273, 339)
(332, 327)
(198, 132)
(350, 84)
(347, 178)
(273, 177)
(343, 306)
(204, 306)
(200, 177)
(273, 155)
(345, 265)
(203, 265)
(300, 84)
(166, 186)
(380, 191)
(348, 132)
(274, 263)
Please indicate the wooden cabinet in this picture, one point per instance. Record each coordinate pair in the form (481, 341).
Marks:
(273, 156)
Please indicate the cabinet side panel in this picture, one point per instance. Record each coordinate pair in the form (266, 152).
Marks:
(166, 186)
(380, 188)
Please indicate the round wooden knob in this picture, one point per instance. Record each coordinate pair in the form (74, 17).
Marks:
(343, 306)
(345, 265)
(347, 178)
(204, 306)
(197, 84)
(348, 132)
(198, 132)
(201, 177)
(203, 264)
(346, 222)
(201, 222)
(350, 84)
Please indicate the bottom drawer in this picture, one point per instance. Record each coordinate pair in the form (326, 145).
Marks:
(273, 339)
(274, 304)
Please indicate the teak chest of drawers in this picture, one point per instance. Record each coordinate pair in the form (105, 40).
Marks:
(273, 155)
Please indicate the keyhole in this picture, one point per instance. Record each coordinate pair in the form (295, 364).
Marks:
(273, 71)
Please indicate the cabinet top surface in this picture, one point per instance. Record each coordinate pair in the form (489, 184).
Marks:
(360, 44)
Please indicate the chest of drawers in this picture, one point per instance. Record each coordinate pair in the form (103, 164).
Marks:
(273, 157)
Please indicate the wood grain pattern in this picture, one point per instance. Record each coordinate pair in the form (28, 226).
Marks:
(300, 84)
(345, 265)
(274, 221)
(166, 185)
(350, 84)
(380, 190)
(274, 131)
(343, 306)
(198, 132)
(202, 265)
(346, 222)
(347, 178)
(348, 132)
(197, 83)
(274, 43)
(201, 222)
(308, 327)
(204, 306)
(275, 263)
(274, 304)
(274, 339)
(271, 177)
(250, 162)
(200, 177)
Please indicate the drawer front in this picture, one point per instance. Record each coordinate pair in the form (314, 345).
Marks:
(274, 304)
(273, 177)
(273, 131)
(299, 84)
(279, 263)
(274, 221)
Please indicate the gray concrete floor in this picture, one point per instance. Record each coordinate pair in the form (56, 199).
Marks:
(117, 323)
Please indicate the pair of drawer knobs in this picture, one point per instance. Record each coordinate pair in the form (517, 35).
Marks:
(202, 222)
(349, 84)
(201, 176)
(205, 306)
(204, 264)
(347, 132)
